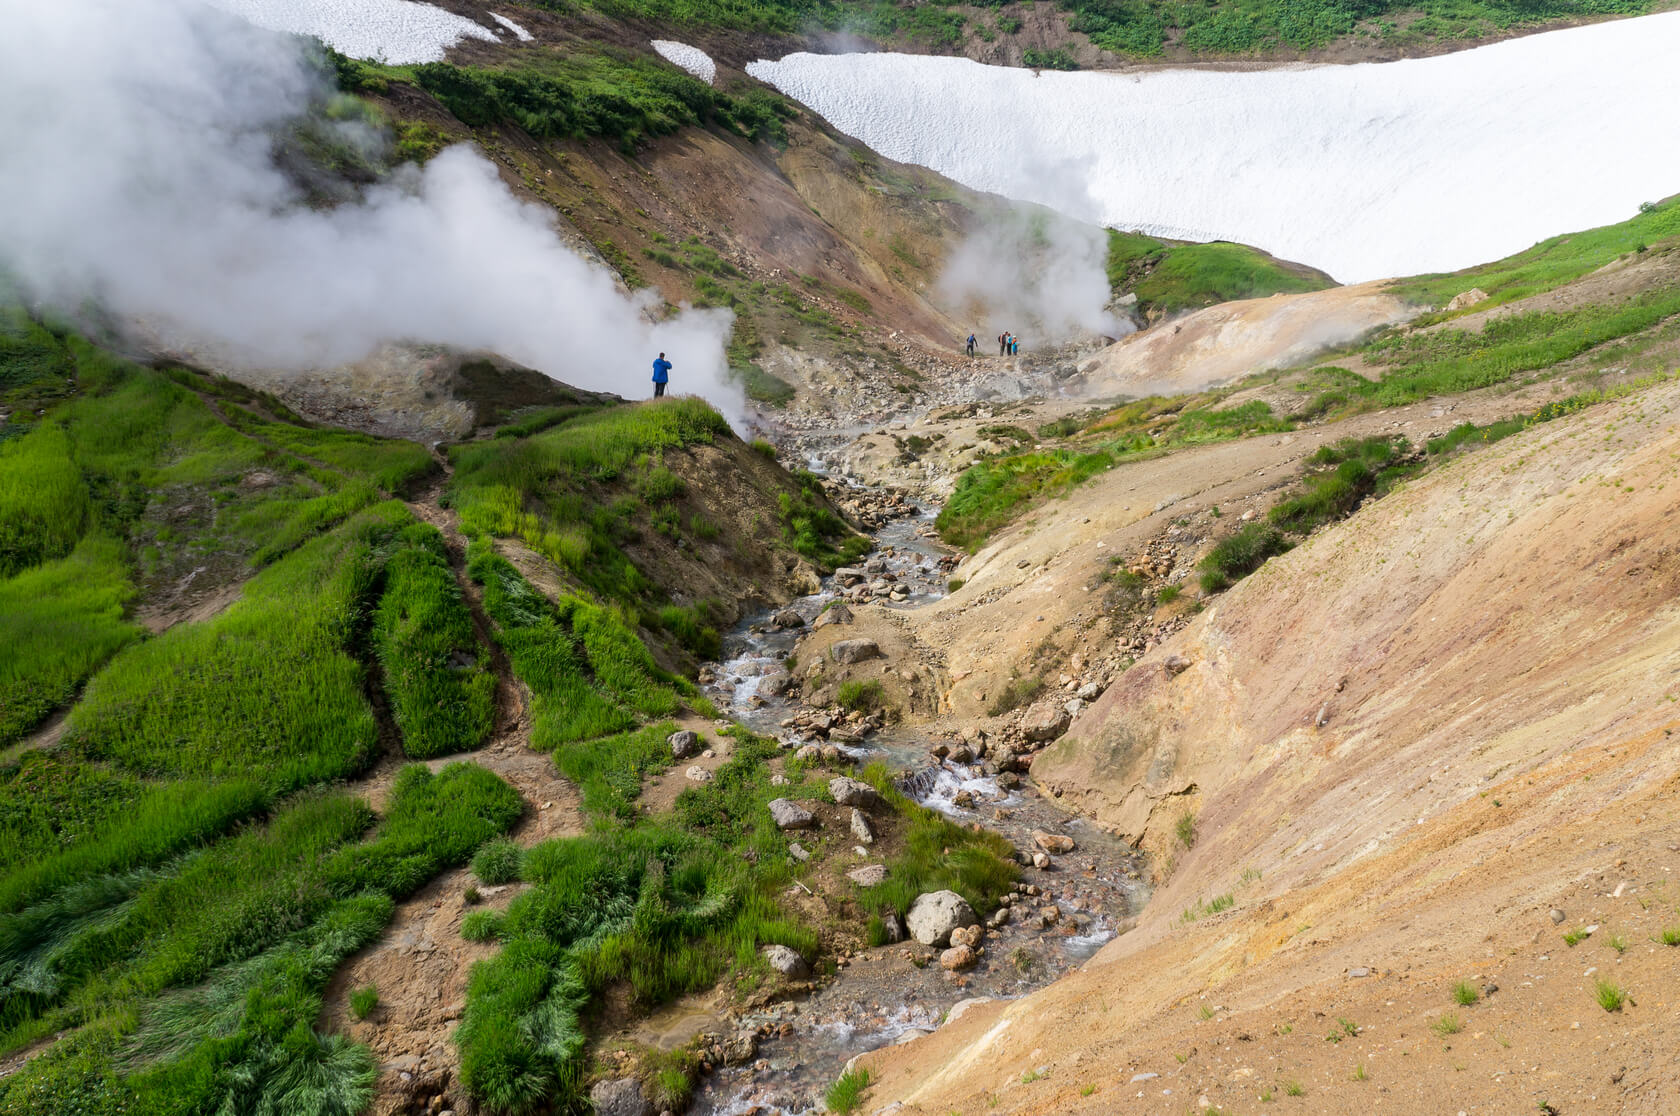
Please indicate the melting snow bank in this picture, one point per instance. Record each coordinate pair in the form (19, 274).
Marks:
(1365, 171)
(519, 32)
(692, 59)
(394, 31)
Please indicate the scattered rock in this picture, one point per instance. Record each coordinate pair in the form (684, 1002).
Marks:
(957, 958)
(852, 792)
(1465, 299)
(936, 913)
(1091, 691)
(622, 1096)
(854, 650)
(836, 613)
(1053, 842)
(788, 618)
(1040, 860)
(786, 962)
(970, 936)
(1358, 972)
(1175, 665)
(861, 829)
(790, 815)
(683, 744)
(869, 875)
(775, 685)
(798, 851)
(1557, 917)
(1136, 1077)
(698, 774)
(1045, 721)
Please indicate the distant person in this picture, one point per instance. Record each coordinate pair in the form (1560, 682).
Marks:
(1003, 343)
(1014, 345)
(971, 344)
(661, 375)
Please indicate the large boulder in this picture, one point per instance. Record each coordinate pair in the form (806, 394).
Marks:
(788, 618)
(683, 744)
(1466, 299)
(622, 1096)
(852, 792)
(935, 914)
(854, 650)
(958, 958)
(791, 815)
(775, 685)
(1057, 843)
(786, 962)
(1045, 721)
(836, 613)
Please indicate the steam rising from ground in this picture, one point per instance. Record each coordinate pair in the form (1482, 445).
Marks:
(136, 171)
(1032, 272)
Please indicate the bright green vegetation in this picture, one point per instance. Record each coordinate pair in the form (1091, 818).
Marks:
(1185, 829)
(1670, 936)
(1551, 263)
(1201, 909)
(1170, 278)
(497, 862)
(363, 1000)
(1448, 1024)
(812, 528)
(1338, 479)
(247, 930)
(1057, 59)
(994, 492)
(657, 907)
(1015, 693)
(1465, 994)
(1610, 996)
(436, 673)
(860, 695)
(609, 771)
(583, 489)
(613, 95)
(1575, 937)
(846, 1094)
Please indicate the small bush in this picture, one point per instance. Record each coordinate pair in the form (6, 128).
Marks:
(481, 925)
(1294, 1088)
(1448, 1024)
(363, 1000)
(1240, 555)
(1465, 994)
(861, 695)
(846, 1094)
(1168, 594)
(1185, 829)
(1671, 936)
(497, 862)
(1610, 996)
(1575, 937)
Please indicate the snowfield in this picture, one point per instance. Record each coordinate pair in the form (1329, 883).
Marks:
(394, 31)
(692, 59)
(1364, 171)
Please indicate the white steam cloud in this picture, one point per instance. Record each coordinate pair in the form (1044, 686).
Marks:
(136, 171)
(1035, 273)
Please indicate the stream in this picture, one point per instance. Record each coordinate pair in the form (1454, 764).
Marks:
(896, 993)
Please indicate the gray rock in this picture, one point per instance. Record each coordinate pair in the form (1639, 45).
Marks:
(790, 815)
(852, 792)
(1175, 664)
(1045, 721)
(798, 851)
(698, 774)
(1091, 691)
(848, 575)
(836, 613)
(854, 650)
(894, 927)
(935, 914)
(621, 1096)
(1359, 972)
(775, 685)
(788, 618)
(1073, 706)
(786, 962)
(861, 828)
(1557, 917)
(683, 744)
(869, 875)
(1136, 1077)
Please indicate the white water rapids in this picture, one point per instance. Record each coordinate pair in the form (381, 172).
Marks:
(1364, 171)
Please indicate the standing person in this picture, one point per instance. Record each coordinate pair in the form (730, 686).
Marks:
(1003, 343)
(661, 375)
(1014, 345)
(971, 344)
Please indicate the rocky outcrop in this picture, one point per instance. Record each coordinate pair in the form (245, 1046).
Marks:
(854, 651)
(935, 914)
(790, 815)
(852, 792)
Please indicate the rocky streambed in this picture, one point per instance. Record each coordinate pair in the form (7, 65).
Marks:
(1079, 887)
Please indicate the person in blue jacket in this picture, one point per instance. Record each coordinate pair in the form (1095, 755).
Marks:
(661, 375)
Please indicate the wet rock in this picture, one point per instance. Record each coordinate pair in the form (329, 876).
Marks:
(697, 774)
(1056, 843)
(861, 828)
(788, 618)
(683, 744)
(970, 936)
(963, 800)
(852, 792)
(854, 651)
(1040, 860)
(790, 815)
(957, 958)
(620, 1097)
(960, 754)
(786, 962)
(741, 1049)
(1174, 665)
(848, 575)
(775, 685)
(869, 875)
(836, 613)
(1045, 722)
(935, 914)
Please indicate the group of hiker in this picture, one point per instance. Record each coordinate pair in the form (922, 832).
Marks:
(1008, 344)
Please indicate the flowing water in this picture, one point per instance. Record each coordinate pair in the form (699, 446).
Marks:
(896, 993)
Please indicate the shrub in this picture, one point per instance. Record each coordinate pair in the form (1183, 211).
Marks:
(1185, 829)
(497, 861)
(862, 695)
(481, 925)
(363, 1000)
(1465, 993)
(1610, 996)
(846, 1094)
(1241, 554)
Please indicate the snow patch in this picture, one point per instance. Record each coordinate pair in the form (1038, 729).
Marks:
(692, 59)
(519, 32)
(1365, 171)
(395, 31)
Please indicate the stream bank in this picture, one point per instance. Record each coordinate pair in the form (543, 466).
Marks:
(1060, 914)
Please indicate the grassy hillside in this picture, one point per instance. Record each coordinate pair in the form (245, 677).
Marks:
(1168, 278)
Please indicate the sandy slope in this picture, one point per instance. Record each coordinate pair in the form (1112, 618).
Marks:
(1404, 741)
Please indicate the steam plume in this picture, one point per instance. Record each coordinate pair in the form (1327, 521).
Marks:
(136, 170)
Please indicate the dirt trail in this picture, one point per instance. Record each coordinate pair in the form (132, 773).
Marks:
(421, 963)
(1403, 744)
